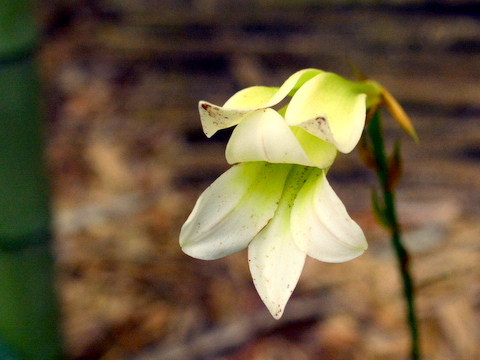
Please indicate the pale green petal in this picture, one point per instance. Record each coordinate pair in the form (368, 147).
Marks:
(232, 210)
(331, 108)
(321, 226)
(320, 152)
(257, 97)
(216, 117)
(264, 136)
(275, 260)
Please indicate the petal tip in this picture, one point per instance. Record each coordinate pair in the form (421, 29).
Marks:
(208, 112)
(275, 308)
(278, 313)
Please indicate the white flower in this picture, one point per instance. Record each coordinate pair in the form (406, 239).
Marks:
(276, 199)
(324, 104)
(282, 213)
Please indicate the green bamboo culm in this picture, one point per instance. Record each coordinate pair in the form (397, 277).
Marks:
(28, 311)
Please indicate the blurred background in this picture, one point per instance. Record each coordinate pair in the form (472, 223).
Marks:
(127, 157)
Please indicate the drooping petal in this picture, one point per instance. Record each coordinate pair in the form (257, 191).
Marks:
(264, 136)
(276, 263)
(275, 260)
(331, 108)
(216, 117)
(232, 210)
(321, 226)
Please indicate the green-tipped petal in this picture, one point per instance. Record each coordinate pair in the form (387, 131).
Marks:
(331, 108)
(321, 226)
(264, 136)
(241, 104)
(275, 260)
(232, 210)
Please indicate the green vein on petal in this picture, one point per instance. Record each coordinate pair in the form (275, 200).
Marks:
(232, 210)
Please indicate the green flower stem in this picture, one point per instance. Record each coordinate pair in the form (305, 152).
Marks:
(28, 311)
(384, 173)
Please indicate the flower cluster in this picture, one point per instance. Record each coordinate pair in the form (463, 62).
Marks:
(275, 200)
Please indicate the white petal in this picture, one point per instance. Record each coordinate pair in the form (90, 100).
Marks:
(216, 117)
(275, 260)
(331, 108)
(264, 136)
(232, 210)
(321, 226)
(276, 264)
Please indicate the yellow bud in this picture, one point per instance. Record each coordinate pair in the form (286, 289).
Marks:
(396, 110)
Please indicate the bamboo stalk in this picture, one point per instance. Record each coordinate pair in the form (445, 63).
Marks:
(28, 312)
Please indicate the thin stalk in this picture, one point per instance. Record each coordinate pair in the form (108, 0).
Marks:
(384, 173)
